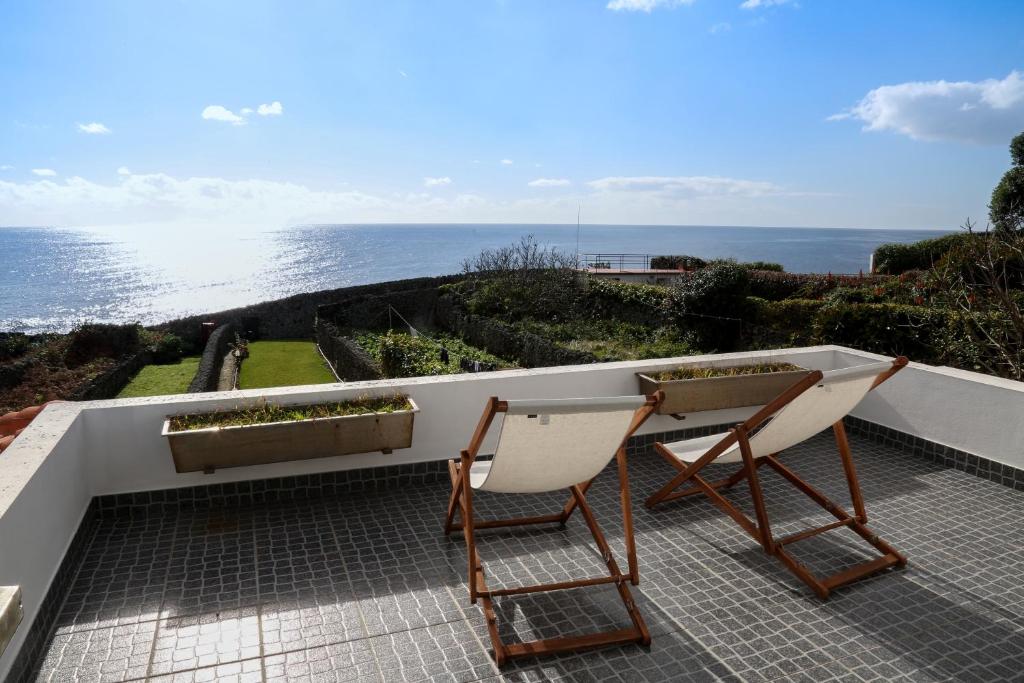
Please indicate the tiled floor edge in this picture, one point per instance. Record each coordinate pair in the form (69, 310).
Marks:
(29, 657)
(937, 453)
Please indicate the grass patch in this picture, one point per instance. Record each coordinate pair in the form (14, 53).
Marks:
(282, 364)
(162, 380)
(267, 413)
(731, 371)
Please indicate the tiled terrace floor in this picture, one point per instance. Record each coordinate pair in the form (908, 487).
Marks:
(366, 587)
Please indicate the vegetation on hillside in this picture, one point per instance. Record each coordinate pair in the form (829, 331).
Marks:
(403, 355)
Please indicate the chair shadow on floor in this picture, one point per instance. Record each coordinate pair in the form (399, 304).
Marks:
(942, 635)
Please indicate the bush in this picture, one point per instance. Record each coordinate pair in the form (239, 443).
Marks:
(710, 302)
(937, 336)
(677, 262)
(13, 344)
(893, 259)
(764, 265)
(776, 286)
(623, 301)
(90, 341)
(164, 346)
(777, 324)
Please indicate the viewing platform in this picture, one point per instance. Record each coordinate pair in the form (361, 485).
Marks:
(338, 568)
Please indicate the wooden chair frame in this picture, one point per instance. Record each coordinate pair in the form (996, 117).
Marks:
(461, 503)
(760, 530)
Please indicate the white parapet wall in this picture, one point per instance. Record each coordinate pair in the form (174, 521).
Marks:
(75, 451)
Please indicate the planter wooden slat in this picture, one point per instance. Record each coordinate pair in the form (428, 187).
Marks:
(206, 450)
(718, 393)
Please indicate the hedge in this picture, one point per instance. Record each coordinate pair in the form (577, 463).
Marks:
(893, 259)
(775, 286)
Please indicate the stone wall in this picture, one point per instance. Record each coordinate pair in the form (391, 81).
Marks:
(110, 383)
(348, 360)
(293, 317)
(212, 359)
(502, 340)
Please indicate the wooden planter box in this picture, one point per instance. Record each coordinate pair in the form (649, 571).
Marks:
(206, 450)
(719, 393)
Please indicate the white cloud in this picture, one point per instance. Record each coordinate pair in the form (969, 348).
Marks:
(757, 4)
(6, 167)
(644, 5)
(507, 162)
(434, 182)
(403, 74)
(550, 182)
(686, 186)
(215, 112)
(94, 128)
(44, 172)
(272, 109)
(160, 202)
(245, 111)
(984, 112)
(720, 27)
(123, 170)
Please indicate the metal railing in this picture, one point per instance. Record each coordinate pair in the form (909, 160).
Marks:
(616, 261)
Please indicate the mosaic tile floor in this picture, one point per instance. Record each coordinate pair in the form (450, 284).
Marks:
(366, 587)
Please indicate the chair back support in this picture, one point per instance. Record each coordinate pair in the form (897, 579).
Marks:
(819, 407)
(551, 444)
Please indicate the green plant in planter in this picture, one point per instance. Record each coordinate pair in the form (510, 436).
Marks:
(730, 371)
(268, 412)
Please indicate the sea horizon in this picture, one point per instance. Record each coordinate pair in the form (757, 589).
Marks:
(57, 277)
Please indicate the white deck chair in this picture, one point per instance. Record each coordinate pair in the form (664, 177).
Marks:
(548, 445)
(818, 401)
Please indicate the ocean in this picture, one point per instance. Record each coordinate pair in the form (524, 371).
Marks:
(54, 278)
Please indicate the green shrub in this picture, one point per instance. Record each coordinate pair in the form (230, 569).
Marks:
(90, 341)
(937, 336)
(165, 347)
(778, 324)
(893, 259)
(13, 344)
(764, 265)
(677, 262)
(710, 302)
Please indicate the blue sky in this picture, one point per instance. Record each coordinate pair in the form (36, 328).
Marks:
(809, 113)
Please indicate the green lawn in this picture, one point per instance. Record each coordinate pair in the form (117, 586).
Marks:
(160, 380)
(283, 363)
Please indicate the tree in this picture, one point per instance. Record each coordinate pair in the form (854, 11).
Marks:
(1006, 210)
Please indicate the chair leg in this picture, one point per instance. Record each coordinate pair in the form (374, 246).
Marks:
(467, 528)
(763, 526)
(613, 566)
(851, 472)
(453, 500)
(627, 516)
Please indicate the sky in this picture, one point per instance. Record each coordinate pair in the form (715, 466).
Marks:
(825, 113)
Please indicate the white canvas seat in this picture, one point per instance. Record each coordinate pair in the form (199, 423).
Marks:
(818, 401)
(548, 445)
(552, 444)
(819, 407)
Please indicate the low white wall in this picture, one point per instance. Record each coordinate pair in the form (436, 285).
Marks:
(45, 492)
(976, 413)
(72, 452)
(127, 454)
